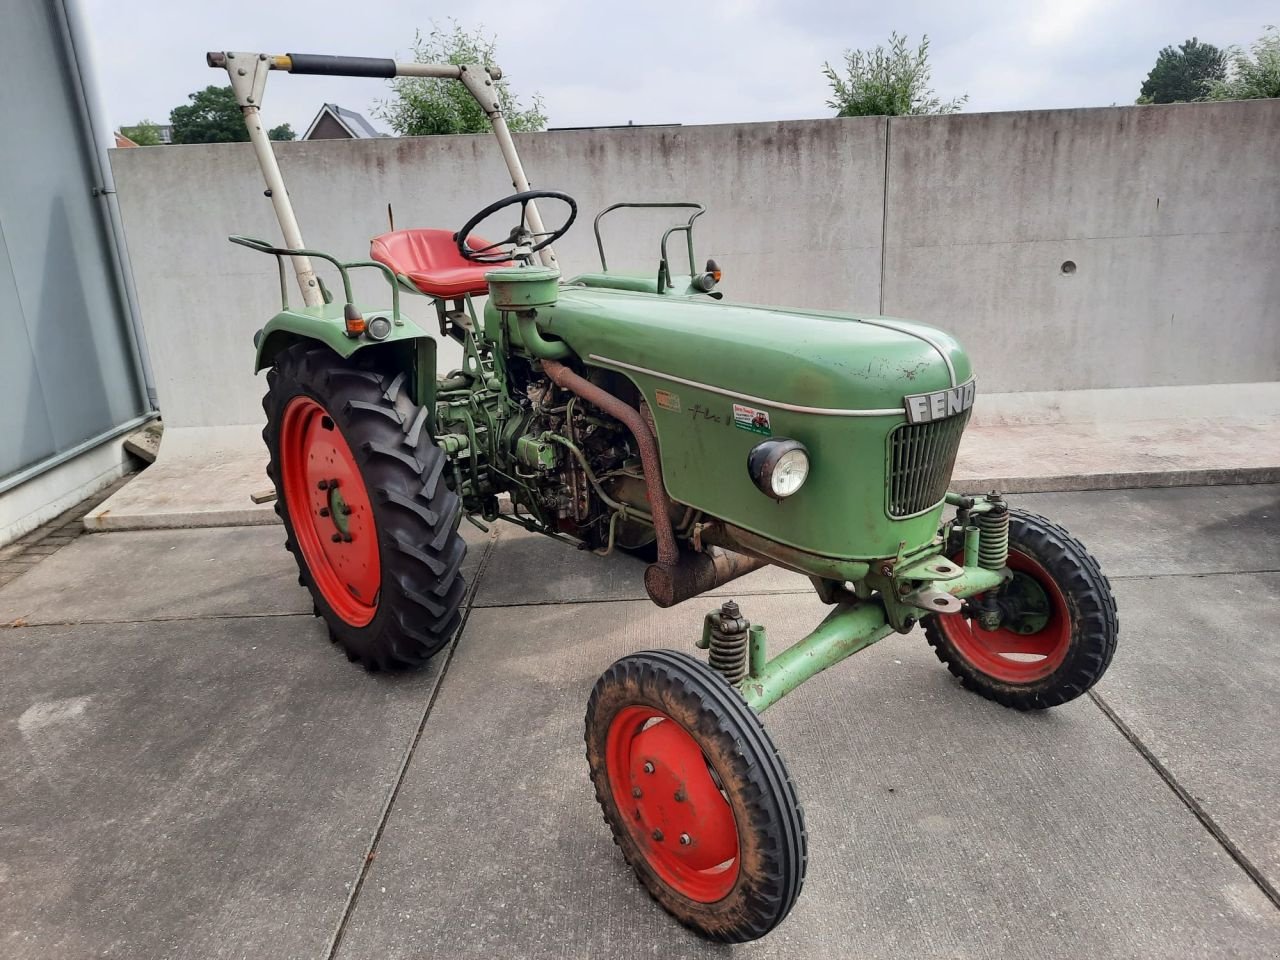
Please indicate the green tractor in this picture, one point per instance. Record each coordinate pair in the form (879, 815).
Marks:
(646, 414)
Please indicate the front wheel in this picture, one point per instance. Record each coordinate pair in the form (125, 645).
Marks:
(369, 518)
(1058, 623)
(696, 795)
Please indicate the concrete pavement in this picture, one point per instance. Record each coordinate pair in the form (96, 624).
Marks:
(188, 769)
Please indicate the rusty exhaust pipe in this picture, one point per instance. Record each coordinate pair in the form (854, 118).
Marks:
(696, 573)
(659, 505)
(675, 577)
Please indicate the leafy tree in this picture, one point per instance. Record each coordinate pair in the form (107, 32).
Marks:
(1252, 77)
(144, 134)
(213, 116)
(1184, 73)
(425, 106)
(892, 82)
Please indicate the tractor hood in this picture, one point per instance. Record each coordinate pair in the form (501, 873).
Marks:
(814, 359)
(719, 378)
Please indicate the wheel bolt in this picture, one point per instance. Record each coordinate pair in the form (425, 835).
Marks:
(337, 538)
(334, 483)
(684, 840)
(648, 766)
(637, 792)
(323, 484)
(346, 509)
(681, 796)
(657, 835)
(324, 511)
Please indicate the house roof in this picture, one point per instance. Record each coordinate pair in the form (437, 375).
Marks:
(354, 123)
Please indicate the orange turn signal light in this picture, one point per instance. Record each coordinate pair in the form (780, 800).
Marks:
(353, 320)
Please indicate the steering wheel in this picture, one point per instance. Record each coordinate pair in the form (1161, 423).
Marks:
(520, 235)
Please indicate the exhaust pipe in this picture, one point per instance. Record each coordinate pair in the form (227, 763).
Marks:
(675, 577)
(562, 376)
(696, 573)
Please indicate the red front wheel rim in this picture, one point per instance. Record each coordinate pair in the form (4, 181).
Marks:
(670, 803)
(330, 511)
(1006, 654)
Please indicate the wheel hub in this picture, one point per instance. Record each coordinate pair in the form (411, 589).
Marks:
(1029, 634)
(330, 511)
(671, 803)
(339, 512)
(1024, 606)
(676, 802)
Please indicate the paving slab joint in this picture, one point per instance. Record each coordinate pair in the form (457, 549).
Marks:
(335, 943)
(1228, 845)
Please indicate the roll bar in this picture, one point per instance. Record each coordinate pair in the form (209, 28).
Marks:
(326, 66)
(248, 73)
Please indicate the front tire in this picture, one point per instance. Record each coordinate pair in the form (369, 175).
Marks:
(1059, 630)
(367, 514)
(696, 795)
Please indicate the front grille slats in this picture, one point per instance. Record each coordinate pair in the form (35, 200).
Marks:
(922, 456)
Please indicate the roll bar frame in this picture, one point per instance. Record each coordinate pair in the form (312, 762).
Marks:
(248, 73)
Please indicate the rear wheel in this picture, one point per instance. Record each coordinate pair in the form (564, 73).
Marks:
(696, 795)
(1058, 623)
(367, 515)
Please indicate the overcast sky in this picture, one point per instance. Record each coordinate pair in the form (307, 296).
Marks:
(696, 61)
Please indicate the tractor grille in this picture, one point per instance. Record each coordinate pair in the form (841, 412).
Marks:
(921, 458)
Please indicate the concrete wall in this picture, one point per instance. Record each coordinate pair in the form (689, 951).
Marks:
(1171, 215)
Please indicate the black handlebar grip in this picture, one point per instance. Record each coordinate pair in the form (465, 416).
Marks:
(311, 63)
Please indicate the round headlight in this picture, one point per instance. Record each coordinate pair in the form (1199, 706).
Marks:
(778, 466)
(379, 328)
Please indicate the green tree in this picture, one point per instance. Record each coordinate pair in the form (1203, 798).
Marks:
(1183, 73)
(892, 82)
(144, 134)
(213, 116)
(1252, 77)
(282, 132)
(424, 106)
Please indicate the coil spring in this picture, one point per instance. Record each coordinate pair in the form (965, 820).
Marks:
(993, 538)
(728, 648)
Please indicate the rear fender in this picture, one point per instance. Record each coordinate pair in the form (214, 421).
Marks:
(413, 349)
(325, 324)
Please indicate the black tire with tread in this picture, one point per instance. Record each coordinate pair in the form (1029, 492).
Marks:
(415, 512)
(773, 854)
(1095, 623)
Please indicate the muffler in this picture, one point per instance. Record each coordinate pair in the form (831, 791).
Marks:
(695, 573)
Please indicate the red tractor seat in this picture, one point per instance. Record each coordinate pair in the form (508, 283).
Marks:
(432, 263)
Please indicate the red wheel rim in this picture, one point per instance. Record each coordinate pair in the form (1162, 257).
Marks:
(1004, 653)
(330, 511)
(668, 800)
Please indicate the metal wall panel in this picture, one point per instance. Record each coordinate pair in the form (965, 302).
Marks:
(67, 369)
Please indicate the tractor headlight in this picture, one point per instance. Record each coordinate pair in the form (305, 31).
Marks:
(778, 466)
